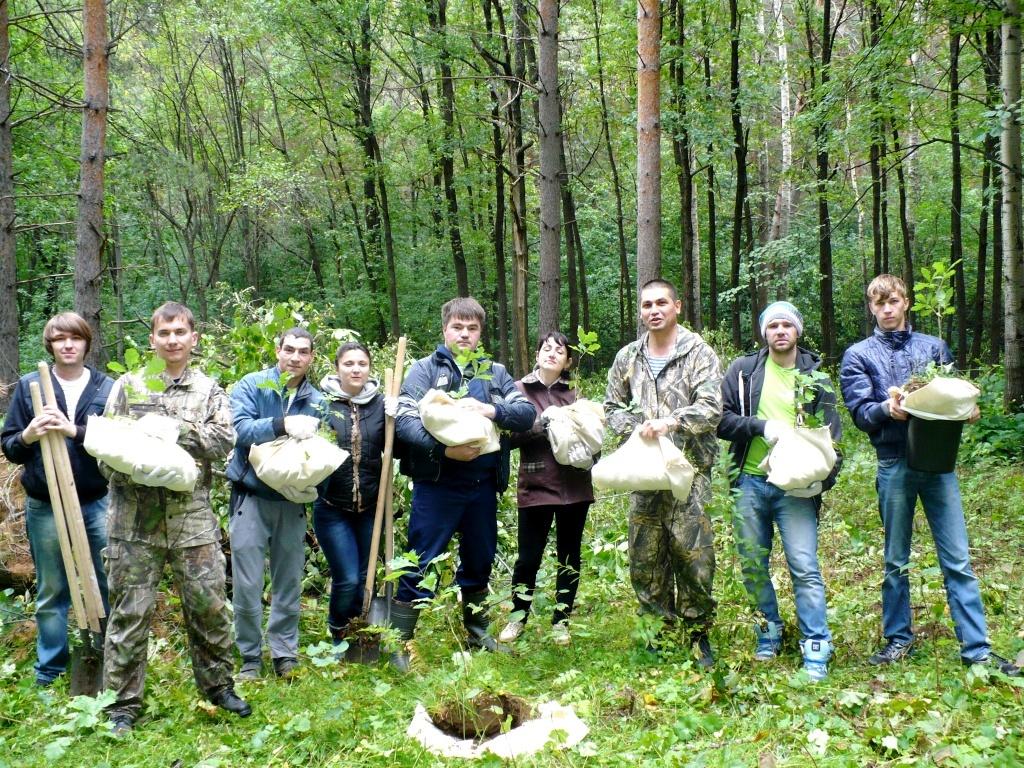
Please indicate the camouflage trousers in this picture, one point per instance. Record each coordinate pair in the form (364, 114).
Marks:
(672, 554)
(134, 569)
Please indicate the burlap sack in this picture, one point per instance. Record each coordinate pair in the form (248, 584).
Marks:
(801, 456)
(453, 424)
(575, 432)
(645, 465)
(294, 467)
(943, 399)
(128, 446)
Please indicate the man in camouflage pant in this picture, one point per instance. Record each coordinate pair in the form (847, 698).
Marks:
(150, 525)
(669, 383)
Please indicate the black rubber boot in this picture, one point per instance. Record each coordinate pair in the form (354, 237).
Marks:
(474, 619)
(403, 619)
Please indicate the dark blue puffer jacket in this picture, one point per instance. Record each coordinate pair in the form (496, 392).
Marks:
(885, 359)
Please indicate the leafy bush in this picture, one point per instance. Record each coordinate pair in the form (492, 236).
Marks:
(997, 434)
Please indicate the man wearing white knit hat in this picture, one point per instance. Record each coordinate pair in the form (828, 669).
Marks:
(758, 405)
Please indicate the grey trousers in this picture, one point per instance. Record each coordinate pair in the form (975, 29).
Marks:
(258, 526)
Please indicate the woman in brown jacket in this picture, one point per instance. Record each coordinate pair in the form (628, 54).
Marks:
(547, 491)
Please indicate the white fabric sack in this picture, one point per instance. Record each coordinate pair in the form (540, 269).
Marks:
(136, 447)
(453, 424)
(529, 738)
(294, 467)
(645, 465)
(801, 457)
(575, 432)
(943, 399)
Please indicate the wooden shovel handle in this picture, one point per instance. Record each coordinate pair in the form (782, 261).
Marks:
(384, 486)
(86, 574)
(46, 447)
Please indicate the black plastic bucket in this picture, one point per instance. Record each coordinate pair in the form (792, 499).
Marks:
(932, 446)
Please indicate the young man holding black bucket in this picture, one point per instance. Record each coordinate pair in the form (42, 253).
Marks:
(81, 392)
(455, 488)
(885, 360)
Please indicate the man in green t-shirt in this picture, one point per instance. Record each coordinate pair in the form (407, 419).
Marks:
(758, 405)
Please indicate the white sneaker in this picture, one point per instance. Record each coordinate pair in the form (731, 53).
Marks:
(511, 632)
(560, 634)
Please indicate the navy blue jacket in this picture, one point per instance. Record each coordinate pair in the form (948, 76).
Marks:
(741, 395)
(89, 483)
(885, 359)
(422, 456)
(257, 413)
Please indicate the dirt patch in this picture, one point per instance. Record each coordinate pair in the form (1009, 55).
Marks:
(16, 568)
(482, 716)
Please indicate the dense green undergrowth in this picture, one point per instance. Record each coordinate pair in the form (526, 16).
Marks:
(641, 710)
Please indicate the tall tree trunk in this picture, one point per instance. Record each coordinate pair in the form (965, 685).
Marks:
(712, 217)
(906, 228)
(875, 150)
(550, 288)
(826, 302)
(956, 242)
(573, 244)
(784, 197)
(1013, 247)
(89, 237)
(740, 153)
(648, 121)
(626, 316)
(8, 258)
(682, 155)
(517, 170)
(446, 93)
(995, 200)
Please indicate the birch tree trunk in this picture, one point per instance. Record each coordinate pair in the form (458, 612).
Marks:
(1013, 248)
(550, 288)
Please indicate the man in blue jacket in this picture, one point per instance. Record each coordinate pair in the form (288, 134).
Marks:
(81, 392)
(887, 359)
(455, 488)
(758, 405)
(267, 405)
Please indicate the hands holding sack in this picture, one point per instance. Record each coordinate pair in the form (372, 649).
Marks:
(458, 422)
(146, 450)
(575, 432)
(800, 459)
(301, 427)
(294, 466)
(942, 399)
(645, 465)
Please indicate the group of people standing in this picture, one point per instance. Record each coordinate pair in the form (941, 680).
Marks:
(668, 383)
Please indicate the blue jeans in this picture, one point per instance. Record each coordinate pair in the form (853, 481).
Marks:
(53, 597)
(759, 505)
(344, 538)
(898, 488)
(439, 511)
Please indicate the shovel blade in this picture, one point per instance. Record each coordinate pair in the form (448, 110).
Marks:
(380, 612)
(87, 666)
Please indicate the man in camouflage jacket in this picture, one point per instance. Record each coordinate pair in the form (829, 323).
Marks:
(150, 525)
(669, 383)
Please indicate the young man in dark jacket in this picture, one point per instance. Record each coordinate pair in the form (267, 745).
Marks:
(758, 405)
(884, 360)
(455, 488)
(81, 392)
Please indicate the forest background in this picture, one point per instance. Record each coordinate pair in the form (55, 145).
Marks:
(341, 152)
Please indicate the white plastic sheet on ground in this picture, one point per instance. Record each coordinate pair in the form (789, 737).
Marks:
(149, 443)
(575, 432)
(800, 458)
(645, 465)
(942, 399)
(294, 467)
(454, 424)
(529, 738)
